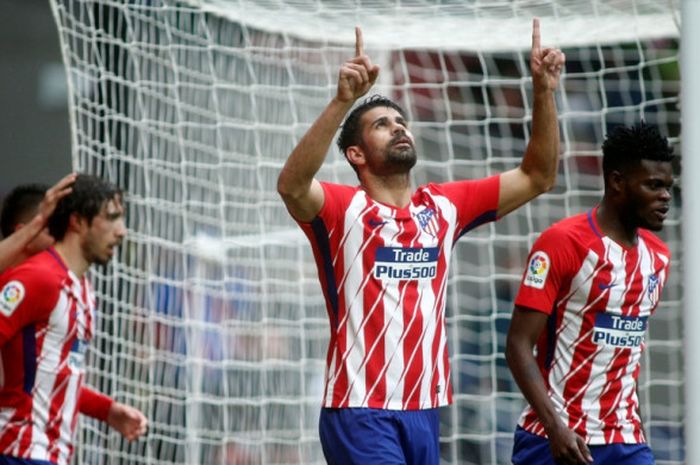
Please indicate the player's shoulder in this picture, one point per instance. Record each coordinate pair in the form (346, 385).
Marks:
(35, 283)
(576, 229)
(42, 271)
(654, 242)
(339, 188)
(339, 191)
(431, 188)
(462, 184)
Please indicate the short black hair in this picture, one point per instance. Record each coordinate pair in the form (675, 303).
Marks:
(351, 130)
(86, 199)
(626, 146)
(20, 204)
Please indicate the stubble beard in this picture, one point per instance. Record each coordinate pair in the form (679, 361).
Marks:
(99, 260)
(642, 216)
(401, 158)
(651, 224)
(391, 159)
(404, 158)
(98, 257)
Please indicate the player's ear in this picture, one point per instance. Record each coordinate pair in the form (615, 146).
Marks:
(355, 155)
(616, 181)
(77, 222)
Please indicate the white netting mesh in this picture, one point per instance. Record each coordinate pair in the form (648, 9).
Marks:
(212, 319)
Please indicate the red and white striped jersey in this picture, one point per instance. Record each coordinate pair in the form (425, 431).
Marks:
(383, 271)
(599, 295)
(46, 322)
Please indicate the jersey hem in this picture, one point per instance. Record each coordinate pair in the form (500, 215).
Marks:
(391, 406)
(592, 441)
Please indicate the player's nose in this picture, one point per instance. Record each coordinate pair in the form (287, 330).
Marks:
(120, 230)
(397, 128)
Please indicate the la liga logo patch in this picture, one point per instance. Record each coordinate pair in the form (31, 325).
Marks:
(537, 270)
(10, 297)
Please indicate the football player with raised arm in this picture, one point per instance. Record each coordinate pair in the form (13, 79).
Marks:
(383, 249)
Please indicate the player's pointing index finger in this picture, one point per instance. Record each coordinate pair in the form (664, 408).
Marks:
(359, 44)
(536, 34)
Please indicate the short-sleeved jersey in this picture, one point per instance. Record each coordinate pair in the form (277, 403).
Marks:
(383, 271)
(598, 295)
(46, 322)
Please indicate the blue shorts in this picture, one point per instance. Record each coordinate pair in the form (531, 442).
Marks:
(7, 460)
(532, 449)
(361, 436)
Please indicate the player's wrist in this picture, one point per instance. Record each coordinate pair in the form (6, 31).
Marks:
(543, 90)
(552, 424)
(345, 101)
(39, 220)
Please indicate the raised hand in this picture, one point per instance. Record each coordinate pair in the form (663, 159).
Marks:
(545, 64)
(357, 75)
(54, 194)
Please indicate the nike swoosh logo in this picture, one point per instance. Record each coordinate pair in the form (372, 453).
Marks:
(374, 223)
(603, 287)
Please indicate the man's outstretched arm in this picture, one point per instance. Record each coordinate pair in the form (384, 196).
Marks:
(301, 193)
(537, 171)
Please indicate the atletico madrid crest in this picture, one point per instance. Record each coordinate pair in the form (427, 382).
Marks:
(653, 289)
(428, 221)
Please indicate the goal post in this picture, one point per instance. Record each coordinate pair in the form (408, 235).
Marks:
(211, 318)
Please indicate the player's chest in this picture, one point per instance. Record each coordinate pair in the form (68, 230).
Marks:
(425, 225)
(612, 298)
(393, 248)
(624, 282)
(64, 339)
(73, 314)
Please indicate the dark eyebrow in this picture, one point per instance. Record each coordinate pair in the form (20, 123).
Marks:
(662, 180)
(114, 214)
(381, 119)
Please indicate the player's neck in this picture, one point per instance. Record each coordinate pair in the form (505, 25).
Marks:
(392, 190)
(72, 254)
(611, 223)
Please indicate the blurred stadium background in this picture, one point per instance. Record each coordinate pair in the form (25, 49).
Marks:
(34, 123)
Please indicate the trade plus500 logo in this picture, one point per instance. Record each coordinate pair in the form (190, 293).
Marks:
(619, 331)
(405, 263)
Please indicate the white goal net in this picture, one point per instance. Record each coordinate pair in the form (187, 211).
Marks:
(212, 320)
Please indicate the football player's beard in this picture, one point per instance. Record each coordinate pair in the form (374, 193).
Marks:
(403, 157)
